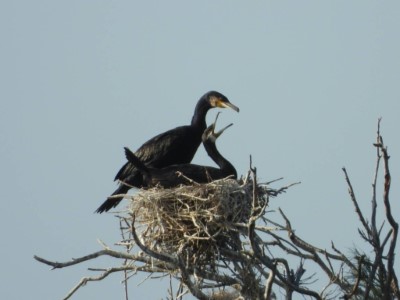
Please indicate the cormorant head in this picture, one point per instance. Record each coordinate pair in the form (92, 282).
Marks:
(216, 99)
(210, 134)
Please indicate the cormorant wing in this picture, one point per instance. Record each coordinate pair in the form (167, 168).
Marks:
(174, 146)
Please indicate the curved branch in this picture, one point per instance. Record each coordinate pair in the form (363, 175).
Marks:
(74, 261)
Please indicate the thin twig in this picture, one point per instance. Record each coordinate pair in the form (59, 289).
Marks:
(355, 203)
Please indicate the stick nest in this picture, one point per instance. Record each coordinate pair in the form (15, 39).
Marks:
(197, 220)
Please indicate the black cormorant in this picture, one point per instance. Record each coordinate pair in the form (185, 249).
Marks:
(176, 146)
(171, 176)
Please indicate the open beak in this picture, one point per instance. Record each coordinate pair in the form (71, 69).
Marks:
(217, 134)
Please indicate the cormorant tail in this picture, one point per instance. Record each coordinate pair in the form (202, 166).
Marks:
(134, 160)
(113, 201)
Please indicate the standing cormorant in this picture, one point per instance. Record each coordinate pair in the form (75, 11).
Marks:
(171, 176)
(175, 146)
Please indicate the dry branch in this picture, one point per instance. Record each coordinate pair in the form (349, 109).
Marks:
(218, 242)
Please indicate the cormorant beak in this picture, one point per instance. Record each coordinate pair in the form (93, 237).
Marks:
(223, 104)
(217, 134)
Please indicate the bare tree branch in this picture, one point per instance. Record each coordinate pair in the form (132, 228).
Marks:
(222, 240)
(354, 200)
(391, 279)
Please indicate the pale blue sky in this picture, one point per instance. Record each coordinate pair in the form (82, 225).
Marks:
(82, 79)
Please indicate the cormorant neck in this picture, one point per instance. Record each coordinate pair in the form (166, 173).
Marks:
(199, 116)
(221, 161)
